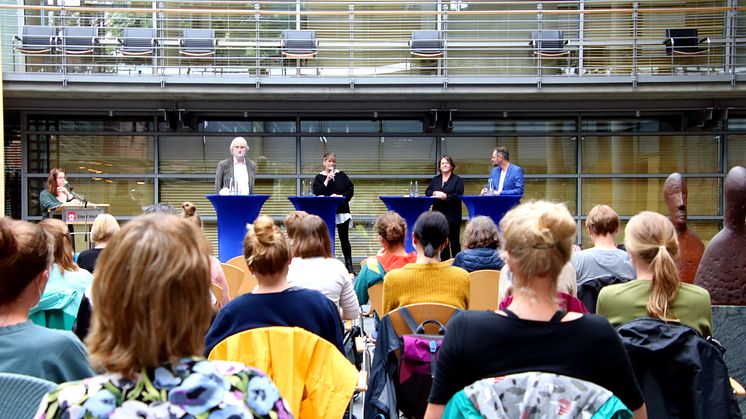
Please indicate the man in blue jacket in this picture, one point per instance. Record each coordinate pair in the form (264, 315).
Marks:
(505, 178)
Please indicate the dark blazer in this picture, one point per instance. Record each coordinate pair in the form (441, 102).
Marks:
(341, 185)
(451, 206)
(224, 174)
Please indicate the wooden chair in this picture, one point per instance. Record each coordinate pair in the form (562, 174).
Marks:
(421, 312)
(247, 285)
(234, 277)
(239, 262)
(485, 286)
(375, 296)
(218, 293)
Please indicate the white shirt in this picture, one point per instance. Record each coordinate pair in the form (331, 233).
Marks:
(328, 276)
(502, 179)
(241, 176)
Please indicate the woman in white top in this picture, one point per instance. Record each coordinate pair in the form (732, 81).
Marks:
(313, 267)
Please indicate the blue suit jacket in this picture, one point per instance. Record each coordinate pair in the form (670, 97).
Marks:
(513, 184)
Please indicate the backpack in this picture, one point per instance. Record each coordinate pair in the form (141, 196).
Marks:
(417, 363)
(348, 343)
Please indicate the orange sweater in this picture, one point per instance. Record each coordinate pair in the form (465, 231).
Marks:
(426, 283)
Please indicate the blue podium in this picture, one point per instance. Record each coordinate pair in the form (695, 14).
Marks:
(234, 212)
(493, 206)
(409, 207)
(323, 206)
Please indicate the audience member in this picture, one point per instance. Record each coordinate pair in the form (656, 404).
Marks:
(650, 239)
(481, 241)
(58, 307)
(392, 230)
(428, 280)
(151, 313)
(291, 223)
(314, 268)
(103, 229)
(532, 334)
(603, 258)
(217, 276)
(274, 302)
(566, 283)
(25, 348)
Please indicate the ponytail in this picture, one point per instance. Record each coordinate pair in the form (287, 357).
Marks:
(665, 285)
(431, 231)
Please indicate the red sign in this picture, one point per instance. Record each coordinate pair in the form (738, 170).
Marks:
(72, 217)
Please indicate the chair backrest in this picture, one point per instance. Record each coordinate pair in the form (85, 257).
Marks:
(217, 292)
(589, 289)
(248, 284)
(375, 295)
(38, 37)
(485, 286)
(547, 41)
(142, 39)
(198, 40)
(20, 395)
(239, 262)
(313, 376)
(421, 312)
(234, 277)
(299, 41)
(682, 40)
(79, 38)
(427, 42)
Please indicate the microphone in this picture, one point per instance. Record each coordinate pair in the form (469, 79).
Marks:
(68, 186)
(75, 195)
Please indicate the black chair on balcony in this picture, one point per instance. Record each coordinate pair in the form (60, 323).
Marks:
(138, 43)
(685, 43)
(428, 45)
(197, 44)
(548, 45)
(36, 40)
(299, 45)
(76, 42)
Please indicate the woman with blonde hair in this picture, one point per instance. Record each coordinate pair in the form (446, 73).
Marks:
(650, 240)
(274, 302)
(151, 313)
(532, 333)
(103, 229)
(314, 268)
(217, 276)
(58, 307)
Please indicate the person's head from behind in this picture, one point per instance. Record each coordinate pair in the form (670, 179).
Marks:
(602, 221)
(189, 212)
(430, 233)
(105, 226)
(312, 239)
(152, 294)
(55, 179)
(650, 239)
(63, 245)
(159, 208)
(266, 250)
(391, 229)
(481, 232)
(292, 221)
(538, 239)
(25, 258)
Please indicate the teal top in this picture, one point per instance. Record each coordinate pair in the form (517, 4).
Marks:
(621, 303)
(53, 355)
(58, 306)
(47, 201)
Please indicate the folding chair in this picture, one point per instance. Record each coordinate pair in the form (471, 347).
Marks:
(36, 41)
(484, 289)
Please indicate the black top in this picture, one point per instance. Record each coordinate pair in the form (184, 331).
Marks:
(87, 259)
(451, 206)
(341, 185)
(482, 344)
(307, 309)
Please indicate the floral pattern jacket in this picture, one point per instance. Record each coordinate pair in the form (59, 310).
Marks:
(194, 388)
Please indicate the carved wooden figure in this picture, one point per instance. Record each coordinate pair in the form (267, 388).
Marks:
(690, 245)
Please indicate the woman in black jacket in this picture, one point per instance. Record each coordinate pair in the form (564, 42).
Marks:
(332, 182)
(447, 187)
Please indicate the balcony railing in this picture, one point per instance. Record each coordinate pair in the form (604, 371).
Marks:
(369, 42)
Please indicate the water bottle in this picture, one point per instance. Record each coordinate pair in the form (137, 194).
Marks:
(490, 186)
(232, 190)
(416, 190)
(411, 188)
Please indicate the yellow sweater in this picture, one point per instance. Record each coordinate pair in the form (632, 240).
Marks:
(426, 283)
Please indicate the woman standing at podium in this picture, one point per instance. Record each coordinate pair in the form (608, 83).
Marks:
(332, 182)
(56, 193)
(447, 187)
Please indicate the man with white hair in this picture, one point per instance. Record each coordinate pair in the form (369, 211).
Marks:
(236, 173)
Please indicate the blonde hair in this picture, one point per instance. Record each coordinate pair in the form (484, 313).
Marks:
(602, 220)
(312, 239)
(292, 221)
(63, 246)
(104, 227)
(538, 237)
(391, 227)
(651, 238)
(152, 294)
(265, 248)
(480, 232)
(189, 211)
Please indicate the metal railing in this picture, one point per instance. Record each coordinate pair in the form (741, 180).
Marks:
(485, 42)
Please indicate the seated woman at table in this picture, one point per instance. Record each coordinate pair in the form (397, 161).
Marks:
(151, 311)
(392, 230)
(428, 280)
(533, 334)
(274, 302)
(313, 267)
(650, 239)
(447, 187)
(481, 241)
